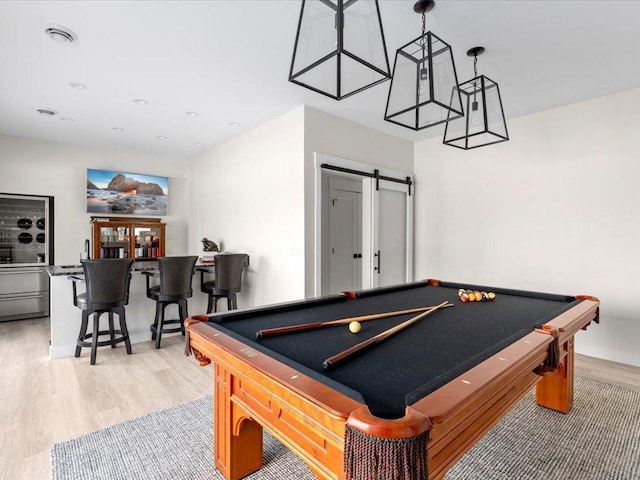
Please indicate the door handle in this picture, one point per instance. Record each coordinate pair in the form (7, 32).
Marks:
(357, 255)
(378, 255)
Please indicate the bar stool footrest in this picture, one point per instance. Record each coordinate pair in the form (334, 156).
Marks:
(103, 343)
(154, 328)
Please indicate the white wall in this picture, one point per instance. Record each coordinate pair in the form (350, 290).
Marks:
(29, 166)
(554, 209)
(247, 196)
(324, 133)
(255, 194)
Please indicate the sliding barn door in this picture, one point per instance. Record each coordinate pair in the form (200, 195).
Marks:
(390, 210)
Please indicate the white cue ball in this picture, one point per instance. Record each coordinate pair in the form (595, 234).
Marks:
(355, 327)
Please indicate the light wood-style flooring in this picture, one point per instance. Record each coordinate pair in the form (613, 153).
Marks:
(45, 401)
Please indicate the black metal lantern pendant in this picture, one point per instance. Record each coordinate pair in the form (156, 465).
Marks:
(484, 122)
(424, 77)
(340, 48)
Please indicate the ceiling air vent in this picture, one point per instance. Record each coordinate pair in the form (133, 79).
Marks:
(47, 112)
(60, 34)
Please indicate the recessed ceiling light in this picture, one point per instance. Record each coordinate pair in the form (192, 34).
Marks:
(140, 101)
(66, 119)
(192, 114)
(60, 34)
(161, 137)
(198, 144)
(118, 129)
(234, 124)
(47, 112)
(78, 86)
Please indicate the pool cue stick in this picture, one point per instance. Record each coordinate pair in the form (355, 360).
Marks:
(269, 332)
(339, 357)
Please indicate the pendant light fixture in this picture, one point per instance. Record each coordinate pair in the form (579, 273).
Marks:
(484, 122)
(424, 77)
(340, 48)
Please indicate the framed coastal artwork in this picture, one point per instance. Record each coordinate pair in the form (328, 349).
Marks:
(122, 193)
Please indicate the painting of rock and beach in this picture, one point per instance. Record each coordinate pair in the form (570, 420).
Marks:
(126, 193)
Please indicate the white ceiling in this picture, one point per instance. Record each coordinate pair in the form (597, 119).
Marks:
(229, 61)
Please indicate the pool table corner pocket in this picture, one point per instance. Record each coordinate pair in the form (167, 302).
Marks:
(393, 449)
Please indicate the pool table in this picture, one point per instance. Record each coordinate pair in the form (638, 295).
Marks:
(406, 408)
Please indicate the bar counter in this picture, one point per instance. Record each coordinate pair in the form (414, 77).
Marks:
(65, 317)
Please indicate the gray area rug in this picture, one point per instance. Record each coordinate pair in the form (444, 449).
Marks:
(598, 440)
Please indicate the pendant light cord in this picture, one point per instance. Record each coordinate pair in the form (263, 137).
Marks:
(476, 82)
(423, 39)
(424, 71)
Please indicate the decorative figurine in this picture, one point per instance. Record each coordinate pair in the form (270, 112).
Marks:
(209, 246)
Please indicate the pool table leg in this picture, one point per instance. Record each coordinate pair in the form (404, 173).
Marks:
(555, 389)
(238, 439)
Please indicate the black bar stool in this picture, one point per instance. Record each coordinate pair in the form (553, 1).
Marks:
(176, 277)
(107, 291)
(228, 280)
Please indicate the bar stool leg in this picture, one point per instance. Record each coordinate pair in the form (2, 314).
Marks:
(124, 330)
(154, 327)
(182, 313)
(210, 304)
(112, 333)
(160, 323)
(94, 338)
(83, 332)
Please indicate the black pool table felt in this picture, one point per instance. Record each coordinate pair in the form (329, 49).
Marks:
(415, 361)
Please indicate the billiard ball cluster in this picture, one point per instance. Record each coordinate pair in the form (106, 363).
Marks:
(476, 296)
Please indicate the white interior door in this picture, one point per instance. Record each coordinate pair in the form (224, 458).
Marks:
(345, 271)
(344, 241)
(390, 247)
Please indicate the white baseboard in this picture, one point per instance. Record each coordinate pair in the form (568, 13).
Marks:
(611, 355)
